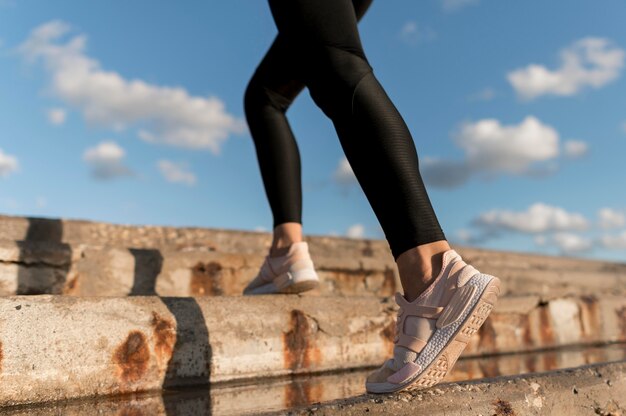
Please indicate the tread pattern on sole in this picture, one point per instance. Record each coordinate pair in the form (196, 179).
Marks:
(478, 318)
(437, 372)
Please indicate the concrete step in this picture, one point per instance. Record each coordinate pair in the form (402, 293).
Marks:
(288, 393)
(44, 267)
(546, 273)
(40, 267)
(597, 389)
(60, 347)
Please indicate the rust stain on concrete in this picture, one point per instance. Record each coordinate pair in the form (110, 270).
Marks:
(589, 320)
(206, 279)
(549, 361)
(545, 330)
(164, 333)
(71, 287)
(487, 342)
(132, 357)
(302, 393)
(503, 408)
(299, 349)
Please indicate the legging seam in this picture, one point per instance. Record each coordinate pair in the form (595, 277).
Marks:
(354, 92)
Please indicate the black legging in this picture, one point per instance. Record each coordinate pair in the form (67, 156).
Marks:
(318, 46)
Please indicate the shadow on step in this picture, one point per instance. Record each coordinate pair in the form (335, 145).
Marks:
(30, 273)
(191, 330)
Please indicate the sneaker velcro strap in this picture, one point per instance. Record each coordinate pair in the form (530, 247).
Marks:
(410, 342)
(421, 311)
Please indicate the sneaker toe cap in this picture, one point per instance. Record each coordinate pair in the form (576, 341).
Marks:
(380, 375)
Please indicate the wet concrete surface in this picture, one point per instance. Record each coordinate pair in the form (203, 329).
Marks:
(283, 393)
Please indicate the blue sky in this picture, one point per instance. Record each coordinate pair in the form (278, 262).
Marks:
(133, 113)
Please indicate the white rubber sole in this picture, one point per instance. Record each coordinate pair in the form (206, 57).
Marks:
(296, 282)
(446, 344)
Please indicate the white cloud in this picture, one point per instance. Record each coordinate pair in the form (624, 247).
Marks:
(412, 33)
(260, 228)
(106, 161)
(485, 94)
(409, 31)
(8, 164)
(538, 218)
(575, 148)
(168, 115)
(610, 218)
(588, 62)
(492, 148)
(56, 116)
(176, 172)
(466, 236)
(614, 242)
(567, 243)
(356, 231)
(344, 174)
(571, 243)
(41, 202)
(454, 5)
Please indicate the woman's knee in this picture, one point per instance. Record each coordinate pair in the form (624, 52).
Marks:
(334, 74)
(258, 95)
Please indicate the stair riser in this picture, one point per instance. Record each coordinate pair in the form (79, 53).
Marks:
(56, 347)
(53, 268)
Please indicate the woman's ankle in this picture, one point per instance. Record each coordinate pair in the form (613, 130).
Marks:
(419, 266)
(285, 235)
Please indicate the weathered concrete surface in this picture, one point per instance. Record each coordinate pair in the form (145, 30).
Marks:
(598, 389)
(284, 393)
(57, 347)
(44, 267)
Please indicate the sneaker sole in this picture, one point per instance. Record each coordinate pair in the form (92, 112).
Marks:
(301, 283)
(302, 286)
(439, 367)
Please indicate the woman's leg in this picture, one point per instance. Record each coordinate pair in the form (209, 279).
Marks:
(434, 324)
(325, 43)
(271, 90)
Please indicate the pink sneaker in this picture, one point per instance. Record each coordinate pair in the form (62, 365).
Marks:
(292, 273)
(433, 330)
